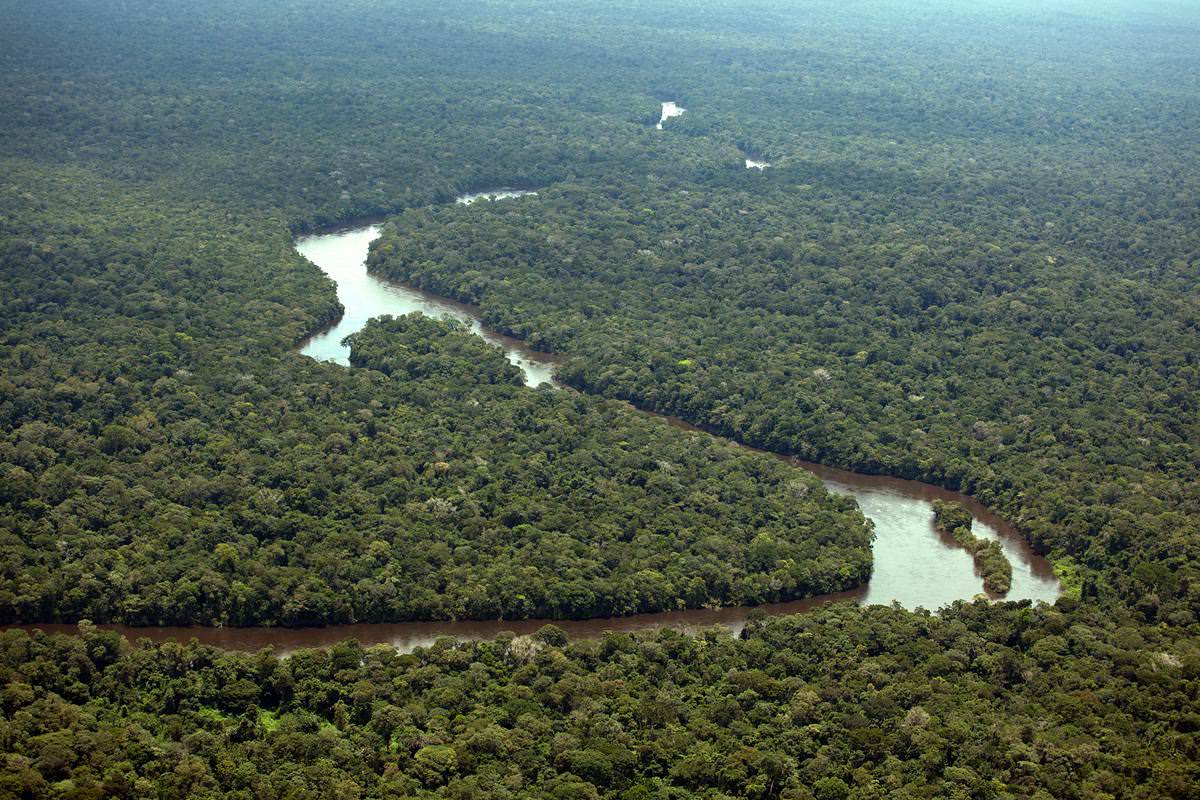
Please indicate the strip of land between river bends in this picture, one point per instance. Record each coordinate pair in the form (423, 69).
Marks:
(952, 518)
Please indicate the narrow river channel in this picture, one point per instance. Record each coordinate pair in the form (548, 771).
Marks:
(914, 565)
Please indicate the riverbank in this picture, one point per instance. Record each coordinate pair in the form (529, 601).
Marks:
(914, 564)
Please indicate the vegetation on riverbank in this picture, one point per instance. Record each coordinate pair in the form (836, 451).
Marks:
(954, 520)
(166, 460)
(1052, 379)
(432, 485)
(985, 701)
(978, 271)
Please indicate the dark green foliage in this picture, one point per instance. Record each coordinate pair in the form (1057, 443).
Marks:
(949, 516)
(999, 701)
(432, 485)
(953, 519)
(1046, 377)
(165, 459)
(973, 262)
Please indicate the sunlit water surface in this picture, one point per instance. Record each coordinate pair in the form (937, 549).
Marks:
(914, 564)
(669, 110)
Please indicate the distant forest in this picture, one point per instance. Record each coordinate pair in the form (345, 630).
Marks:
(972, 261)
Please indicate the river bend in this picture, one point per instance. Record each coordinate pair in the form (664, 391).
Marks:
(914, 564)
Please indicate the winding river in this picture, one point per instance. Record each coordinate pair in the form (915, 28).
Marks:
(915, 565)
(341, 255)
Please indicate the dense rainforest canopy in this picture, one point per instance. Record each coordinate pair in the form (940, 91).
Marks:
(166, 459)
(985, 701)
(973, 260)
(872, 333)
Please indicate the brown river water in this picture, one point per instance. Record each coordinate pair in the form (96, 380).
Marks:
(914, 564)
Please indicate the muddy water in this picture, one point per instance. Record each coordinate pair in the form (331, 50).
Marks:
(914, 566)
(342, 256)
